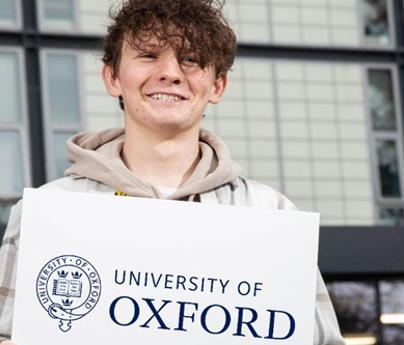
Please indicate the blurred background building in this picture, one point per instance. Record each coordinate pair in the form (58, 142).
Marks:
(314, 108)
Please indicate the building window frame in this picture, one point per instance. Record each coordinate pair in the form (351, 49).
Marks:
(382, 202)
(22, 127)
(375, 283)
(51, 128)
(391, 27)
(18, 22)
(43, 27)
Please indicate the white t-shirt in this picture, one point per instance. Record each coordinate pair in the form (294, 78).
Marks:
(165, 191)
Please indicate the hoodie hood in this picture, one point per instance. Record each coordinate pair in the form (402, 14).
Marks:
(97, 156)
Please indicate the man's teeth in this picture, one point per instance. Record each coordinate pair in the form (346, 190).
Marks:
(166, 98)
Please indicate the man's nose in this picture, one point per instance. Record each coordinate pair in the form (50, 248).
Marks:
(170, 70)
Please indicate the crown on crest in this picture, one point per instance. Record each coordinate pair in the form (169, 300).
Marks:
(67, 302)
(62, 274)
(76, 275)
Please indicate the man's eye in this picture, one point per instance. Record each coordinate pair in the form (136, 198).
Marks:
(148, 56)
(189, 60)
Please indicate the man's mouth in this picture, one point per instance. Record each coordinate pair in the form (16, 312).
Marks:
(166, 98)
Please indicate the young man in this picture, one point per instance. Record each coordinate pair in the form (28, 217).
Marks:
(164, 61)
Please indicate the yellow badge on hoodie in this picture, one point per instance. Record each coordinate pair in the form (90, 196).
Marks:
(118, 192)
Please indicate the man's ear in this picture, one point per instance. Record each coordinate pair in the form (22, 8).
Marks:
(111, 82)
(219, 87)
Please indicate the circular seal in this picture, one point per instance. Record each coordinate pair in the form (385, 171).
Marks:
(68, 288)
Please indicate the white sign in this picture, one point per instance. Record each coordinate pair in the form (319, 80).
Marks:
(107, 269)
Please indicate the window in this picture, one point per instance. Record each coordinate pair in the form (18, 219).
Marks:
(9, 14)
(62, 107)
(388, 168)
(10, 86)
(14, 172)
(355, 304)
(60, 138)
(13, 156)
(57, 14)
(5, 207)
(386, 140)
(369, 312)
(381, 100)
(377, 28)
(12, 180)
(391, 216)
(392, 309)
(62, 79)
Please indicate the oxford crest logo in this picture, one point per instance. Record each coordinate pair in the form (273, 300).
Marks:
(68, 288)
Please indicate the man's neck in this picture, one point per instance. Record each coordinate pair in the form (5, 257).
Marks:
(164, 160)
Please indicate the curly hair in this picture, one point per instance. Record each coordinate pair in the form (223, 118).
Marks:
(198, 25)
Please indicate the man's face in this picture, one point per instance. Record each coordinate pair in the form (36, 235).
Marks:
(163, 89)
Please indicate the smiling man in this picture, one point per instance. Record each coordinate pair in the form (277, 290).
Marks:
(165, 91)
(165, 61)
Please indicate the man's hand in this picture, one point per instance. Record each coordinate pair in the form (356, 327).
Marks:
(7, 342)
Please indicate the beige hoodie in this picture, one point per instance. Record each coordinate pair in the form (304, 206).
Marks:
(97, 156)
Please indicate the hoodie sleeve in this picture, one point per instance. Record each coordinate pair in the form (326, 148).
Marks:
(8, 270)
(326, 329)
